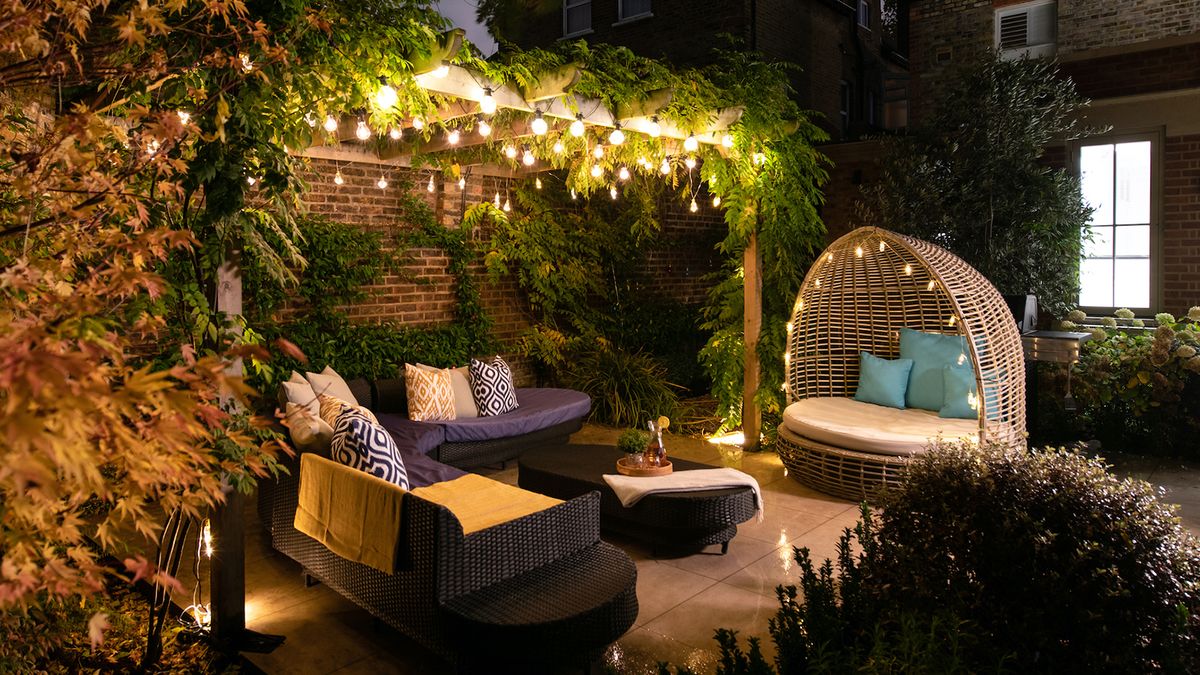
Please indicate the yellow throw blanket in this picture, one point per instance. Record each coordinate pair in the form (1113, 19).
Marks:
(351, 512)
(480, 503)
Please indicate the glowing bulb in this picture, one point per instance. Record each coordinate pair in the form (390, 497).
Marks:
(510, 152)
(382, 183)
(597, 171)
(507, 205)
(558, 147)
(496, 201)
(418, 123)
(537, 183)
(462, 183)
(617, 136)
(487, 104)
(185, 116)
(829, 258)
(694, 206)
(641, 162)
(207, 538)
(908, 270)
(665, 167)
(331, 124)
(395, 133)
(623, 174)
(690, 162)
(760, 158)
(453, 137)
(716, 201)
(484, 128)
(247, 64)
(882, 245)
(598, 151)
(727, 141)
(818, 282)
(655, 129)
(441, 71)
(152, 147)
(572, 194)
(930, 286)
(251, 180)
(363, 131)
(337, 178)
(386, 97)
(951, 321)
(858, 252)
(577, 127)
(612, 191)
(527, 157)
(430, 187)
(538, 125)
(691, 144)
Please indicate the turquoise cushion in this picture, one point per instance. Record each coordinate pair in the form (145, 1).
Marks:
(959, 382)
(930, 352)
(882, 381)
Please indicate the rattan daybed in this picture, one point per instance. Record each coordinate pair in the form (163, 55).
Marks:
(856, 297)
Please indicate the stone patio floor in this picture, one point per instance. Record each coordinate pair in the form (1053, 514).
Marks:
(682, 599)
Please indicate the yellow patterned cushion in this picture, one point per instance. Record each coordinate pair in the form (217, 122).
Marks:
(430, 394)
(331, 407)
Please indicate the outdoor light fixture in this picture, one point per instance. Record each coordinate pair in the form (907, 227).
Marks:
(691, 144)
(510, 152)
(617, 136)
(694, 206)
(690, 162)
(462, 183)
(386, 97)
(453, 137)
(331, 124)
(363, 132)
(382, 182)
(577, 127)
(185, 116)
(484, 128)
(655, 129)
(598, 151)
(623, 174)
(727, 141)
(496, 201)
(537, 183)
(858, 252)
(418, 122)
(538, 125)
(487, 104)
(612, 191)
(665, 167)
(441, 71)
(760, 158)
(527, 157)
(716, 201)
(251, 180)
(395, 133)
(558, 147)
(507, 205)
(206, 538)
(597, 171)
(337, 178)
(572, 194)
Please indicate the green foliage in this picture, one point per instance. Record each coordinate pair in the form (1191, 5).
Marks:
(633, 441)
(973, 180)
(627, 388)
(1139, 390)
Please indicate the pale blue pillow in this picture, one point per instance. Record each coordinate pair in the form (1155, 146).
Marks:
(960, 386)
(882, 381)
(930, 352)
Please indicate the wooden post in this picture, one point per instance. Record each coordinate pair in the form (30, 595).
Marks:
(751, 327)
(228, 570)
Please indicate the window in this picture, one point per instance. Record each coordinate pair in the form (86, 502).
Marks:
(1117, 180)
(632, 9)
(864, 14)
(1030, 29)
(577, 17)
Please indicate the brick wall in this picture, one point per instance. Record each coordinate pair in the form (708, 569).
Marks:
(1085, 25)
(854, 165)
(942, 33)
(1181, 223)
(1131, 73)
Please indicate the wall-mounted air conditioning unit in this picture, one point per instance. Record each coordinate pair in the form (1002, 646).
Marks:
(1029, 29)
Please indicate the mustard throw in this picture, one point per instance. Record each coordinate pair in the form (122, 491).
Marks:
(480, 503)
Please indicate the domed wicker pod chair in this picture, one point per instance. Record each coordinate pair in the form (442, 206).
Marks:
(862, 290)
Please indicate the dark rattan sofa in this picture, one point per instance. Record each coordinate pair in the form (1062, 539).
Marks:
(521, 596)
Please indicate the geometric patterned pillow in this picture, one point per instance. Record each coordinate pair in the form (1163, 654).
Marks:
(492, 385)
(430, 394)
(364, 445)
(332, 406)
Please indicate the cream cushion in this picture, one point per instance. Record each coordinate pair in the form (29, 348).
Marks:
(309, 432)
(460, 383)
(866, 427)
(329, 383)
(297, 390)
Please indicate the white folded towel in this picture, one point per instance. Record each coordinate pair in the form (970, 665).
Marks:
(631, 489)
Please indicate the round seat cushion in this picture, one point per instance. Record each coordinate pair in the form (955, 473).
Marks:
(866, 427)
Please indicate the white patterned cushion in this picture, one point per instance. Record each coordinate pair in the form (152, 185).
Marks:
(492, 385)
(430, 394)
(360, 444)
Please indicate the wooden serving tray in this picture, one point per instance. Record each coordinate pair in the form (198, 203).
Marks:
(643, 471)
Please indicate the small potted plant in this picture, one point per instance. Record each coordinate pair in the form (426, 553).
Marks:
(633, 443)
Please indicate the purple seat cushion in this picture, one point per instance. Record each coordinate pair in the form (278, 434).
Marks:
(537, 409)
(412, 438)
(424, 470)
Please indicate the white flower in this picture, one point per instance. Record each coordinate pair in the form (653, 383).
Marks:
(1099, 335)
(1138, 323)
(1068, 325)
(1163, 317)
(1108, 322)
(1194, 313)
(1076, 315)
(1124, 313)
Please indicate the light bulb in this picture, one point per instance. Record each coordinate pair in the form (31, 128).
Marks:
(510, 152)
(418, 122)
(207, 538)
(690, 162)
(386, 97)
(760, 158)
(882, 246)
(395, 133)
(665, 167)
(577, 127)
(430, 187)
(694, 206)
(487, 104)
(617, 136)
(537, 183)
(152, 147)
(462, 183)
(598, 151)
(858, 252)
(691, 144)
(442, 70)
(247, 63)
(363, 131)
(331, 124)
(727, 141)
(337, 178)
(623, 174)
(185, 116)
(655, 129)
(453, 137)
(558, 147)
(527, 157)
(716, 201)
(251, 180)
(597, 171)
(641, 161)
(538, 125)
(496, 201)
(572, 194)
(908, 270)
(485, 129)
(507, 205)
(612, 191)
(382, 183)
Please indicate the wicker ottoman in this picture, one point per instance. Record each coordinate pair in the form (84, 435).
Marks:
(671, 520)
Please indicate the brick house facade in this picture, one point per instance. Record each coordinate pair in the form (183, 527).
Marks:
(1139, 62)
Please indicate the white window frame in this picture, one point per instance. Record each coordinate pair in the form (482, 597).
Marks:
(571, 4)
(622, 17)
(864, 14)
(1157, 140)
(1040, 50)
